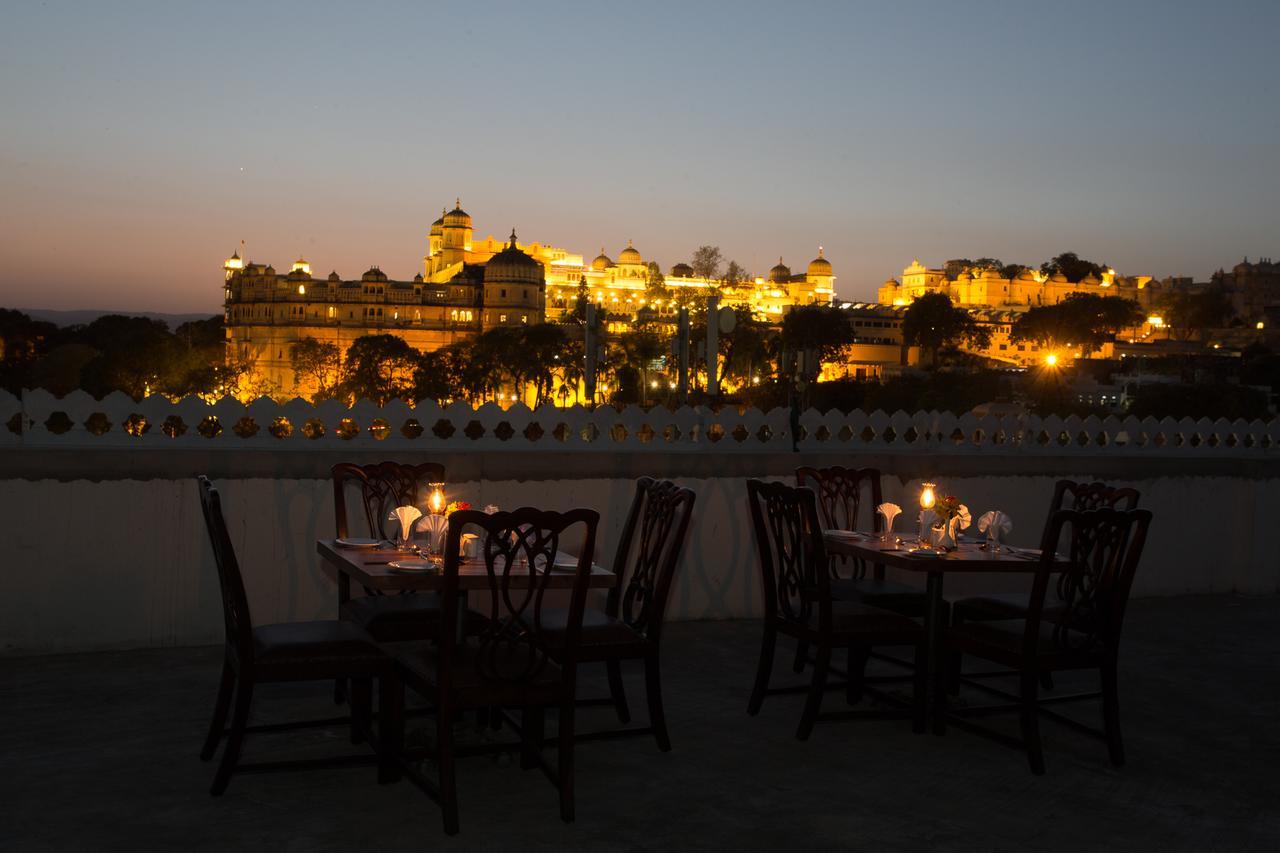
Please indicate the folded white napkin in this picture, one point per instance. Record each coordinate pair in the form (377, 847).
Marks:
(434, 524)
(407, 515)
(890, 511)
(927, 518)
(961, 520)
(995, 524)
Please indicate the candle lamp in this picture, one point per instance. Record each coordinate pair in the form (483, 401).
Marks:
(436, 500)
(927, 500)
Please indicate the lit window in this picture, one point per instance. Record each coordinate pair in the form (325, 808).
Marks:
(502, 318)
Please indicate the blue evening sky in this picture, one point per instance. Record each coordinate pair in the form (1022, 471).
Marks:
(140, 142)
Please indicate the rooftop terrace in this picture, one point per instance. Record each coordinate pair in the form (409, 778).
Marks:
(100, 752)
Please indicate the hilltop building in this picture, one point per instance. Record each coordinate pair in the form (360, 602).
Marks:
(619, 286)
(987, 288)
(466, 287)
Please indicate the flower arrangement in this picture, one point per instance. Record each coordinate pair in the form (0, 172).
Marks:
(456, 506)
(947, 508)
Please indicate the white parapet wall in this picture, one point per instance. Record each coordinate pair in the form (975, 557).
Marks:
(104, 545)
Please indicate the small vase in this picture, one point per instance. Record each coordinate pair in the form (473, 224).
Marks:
(941, 538)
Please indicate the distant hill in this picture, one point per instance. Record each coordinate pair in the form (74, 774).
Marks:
(72, 318)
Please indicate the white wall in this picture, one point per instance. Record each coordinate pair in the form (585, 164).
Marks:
(125, 563)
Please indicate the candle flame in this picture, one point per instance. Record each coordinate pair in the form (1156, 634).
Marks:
(926, 495)
(437, 501)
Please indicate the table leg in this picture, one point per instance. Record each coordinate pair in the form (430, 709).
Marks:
(344, 590)
(935, 695)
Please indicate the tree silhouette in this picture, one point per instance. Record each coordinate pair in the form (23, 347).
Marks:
(932, 322)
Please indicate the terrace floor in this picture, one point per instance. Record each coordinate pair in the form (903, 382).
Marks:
(99, 753)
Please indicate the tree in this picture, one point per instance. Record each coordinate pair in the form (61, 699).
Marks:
(932, 322)
(1086, 319)
(318, 364)
(23, 344)
(379, 368)
(821, 328)
(1073, 267)
(734, 275)
(746, 349)
(641, 347)
(655, 285)
(1190, 315)
(137, 355)
(706, 262)
(438, 374)
(543, 348)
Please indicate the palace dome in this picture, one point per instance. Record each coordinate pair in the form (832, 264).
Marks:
(374, 274)
(1058, 278)
(602, 262)
(456, 218)
(819, 265)
(682, 271)
(780, 273)
(629, 255)
(333, 276)
(437, 227)
(512, 266)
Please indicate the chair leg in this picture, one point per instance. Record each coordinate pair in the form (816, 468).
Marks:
(226, 689)
(444, 762)
(763, 669)
(816, 688)
(920, 701)
(1111, 713)
(653, 691)
(239, 719)
(390, 728)
(802, 655)
(614, 667)
(1030, 719)
(565, 767)
(858, 657)
(361, 708)
(532, 728)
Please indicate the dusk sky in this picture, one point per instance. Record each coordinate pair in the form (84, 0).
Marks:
(141, 142)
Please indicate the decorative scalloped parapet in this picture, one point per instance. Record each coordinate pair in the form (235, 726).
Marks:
(39, 419)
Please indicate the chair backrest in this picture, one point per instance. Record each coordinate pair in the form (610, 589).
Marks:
(793, 560)
(842, 494)
(383, 487)
(235, 604)
(650, 548)
(517, 551)
(1068, 494)
(1103, 547)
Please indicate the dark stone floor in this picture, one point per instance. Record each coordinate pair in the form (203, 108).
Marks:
(98, 752)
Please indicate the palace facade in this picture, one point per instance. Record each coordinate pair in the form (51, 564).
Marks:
(466, 287)
(620, 286)
(986, 288)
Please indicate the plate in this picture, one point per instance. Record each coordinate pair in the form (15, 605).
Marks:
(412, 566)
(924, 555)
(358, 542)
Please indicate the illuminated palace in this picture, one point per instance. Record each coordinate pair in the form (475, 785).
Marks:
(619, 286)
(986, 288)
(996, 301)
(466, 287)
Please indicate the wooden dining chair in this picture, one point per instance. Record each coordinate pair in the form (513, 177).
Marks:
(507, 662)
(847, 500)
(796, 580)
(382, 487)
(1104, 547)
(1067, 494)
(630, 626)
(297, 651)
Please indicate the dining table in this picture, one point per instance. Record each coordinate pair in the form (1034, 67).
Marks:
(906, 554)
(371, 568)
